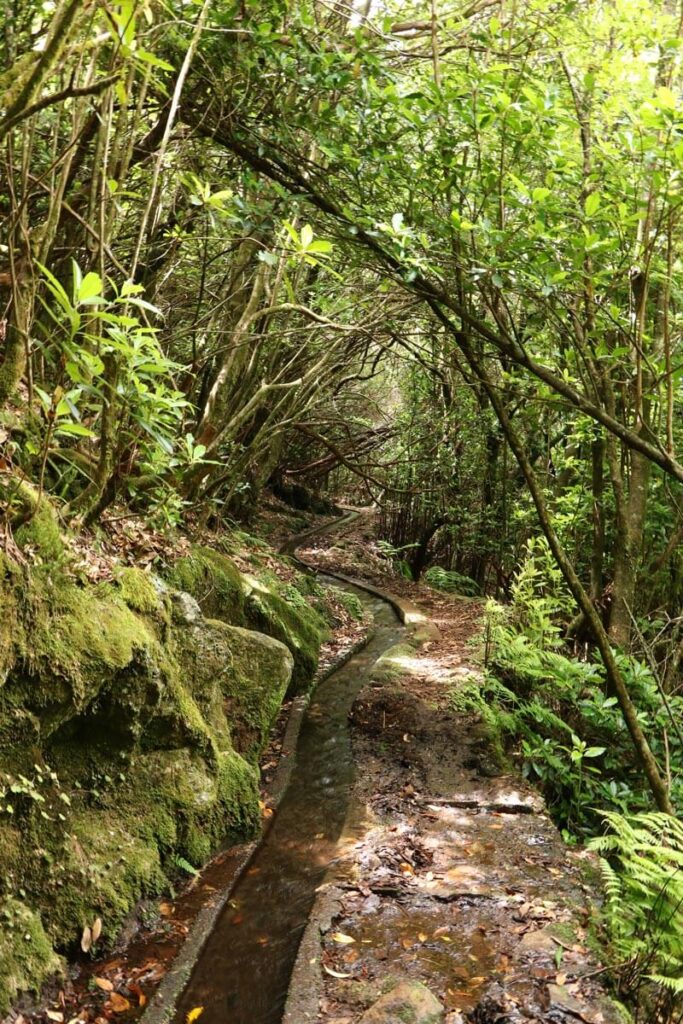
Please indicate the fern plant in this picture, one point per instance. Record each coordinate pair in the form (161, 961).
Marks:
(642, 866)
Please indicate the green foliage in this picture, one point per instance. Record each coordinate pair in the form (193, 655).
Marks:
(642, 864)
(553, 709)
(451, 582)
(351, 602)
(539, 597)
(104, 347)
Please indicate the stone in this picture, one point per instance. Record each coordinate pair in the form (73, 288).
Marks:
(409, 1002)
(541, 941)
(186, 610)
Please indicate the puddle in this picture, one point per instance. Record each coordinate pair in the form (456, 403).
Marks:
(431, 942)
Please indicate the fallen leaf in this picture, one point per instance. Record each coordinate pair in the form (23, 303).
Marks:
(104, 984)
(341, 938)
(194, 1014)
(422, 936)
(560, 978)
(135, 989)
(118, 1003)
(165, 909)
(335, 974)
(55, 1015)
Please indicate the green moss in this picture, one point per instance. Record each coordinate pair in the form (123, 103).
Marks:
(26, 954)
(42, 534)
(100, 869)
(153, 728)
(285, 615)
(10, 857)
(351, 603)
(613, 1011)
(10, 578)
(254, 687)
(186, 807)
(261, 601)
(137, 590)
(494, 721)
(214, 581)
(35, 522)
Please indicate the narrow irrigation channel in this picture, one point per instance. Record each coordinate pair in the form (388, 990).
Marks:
(242, 973)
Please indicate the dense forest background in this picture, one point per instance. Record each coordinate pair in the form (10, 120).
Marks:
(425, 257)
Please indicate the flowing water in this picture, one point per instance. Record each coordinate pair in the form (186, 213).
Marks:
(242, 974)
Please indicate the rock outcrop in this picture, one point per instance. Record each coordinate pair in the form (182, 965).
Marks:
(130, 729)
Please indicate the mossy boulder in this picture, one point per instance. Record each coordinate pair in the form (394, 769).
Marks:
(139, 592)
(99, 868)
(259, 600)
(282, 612)
(240, 678)
(26, 954)
(130, 728)
(214, 581)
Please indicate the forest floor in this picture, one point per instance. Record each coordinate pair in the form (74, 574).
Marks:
(450, 871)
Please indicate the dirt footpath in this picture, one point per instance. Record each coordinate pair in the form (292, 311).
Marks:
(454, 896)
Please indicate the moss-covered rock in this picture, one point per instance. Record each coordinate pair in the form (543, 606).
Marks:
(259, 600)
(26, 954)
(214, 581)
(282, 612)
(240, 680)
(138, 591)
(99, 869)
(130, 728)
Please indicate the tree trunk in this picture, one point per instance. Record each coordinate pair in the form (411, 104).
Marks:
(597, 488)
(627, 552)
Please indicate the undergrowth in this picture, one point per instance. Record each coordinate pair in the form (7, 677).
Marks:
(642, 862)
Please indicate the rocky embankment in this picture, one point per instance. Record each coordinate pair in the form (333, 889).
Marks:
(132, 716)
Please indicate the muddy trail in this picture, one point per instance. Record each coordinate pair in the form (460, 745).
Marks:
(453, 896)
